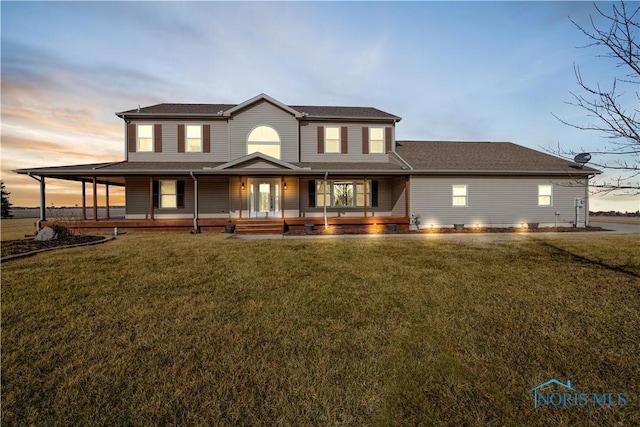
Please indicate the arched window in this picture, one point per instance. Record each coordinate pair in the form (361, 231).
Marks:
(264, 139)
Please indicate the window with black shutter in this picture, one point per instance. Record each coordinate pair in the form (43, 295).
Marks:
(180, 195)
(156, 194)
(312, 193)
(374, 193)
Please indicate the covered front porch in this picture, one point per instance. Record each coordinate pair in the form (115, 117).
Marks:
(201, 198)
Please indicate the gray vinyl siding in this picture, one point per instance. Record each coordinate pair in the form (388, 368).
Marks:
(267, 114)
(213, 197)
(398, 197)
(219, 136)
(291, 197)
(309, 143)
(137, 196)
(137, 199)
(384, 208)
(492, 201)
(235, 199)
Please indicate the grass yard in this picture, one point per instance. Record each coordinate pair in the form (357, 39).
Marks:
(180, 329)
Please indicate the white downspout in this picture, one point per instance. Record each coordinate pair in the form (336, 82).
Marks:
(195, 197)
(586, 202)
(326, 225)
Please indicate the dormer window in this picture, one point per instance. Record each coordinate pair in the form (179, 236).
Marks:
(265, 140)
(145, 138)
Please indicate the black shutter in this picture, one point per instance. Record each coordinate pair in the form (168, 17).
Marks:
(180, 194)
(374, 193)
(312, 193)
(156, 196)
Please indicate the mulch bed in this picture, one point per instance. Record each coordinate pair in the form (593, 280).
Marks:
(383, 230)
(15, 247)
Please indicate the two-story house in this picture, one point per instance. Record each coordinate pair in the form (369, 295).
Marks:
(265, 165)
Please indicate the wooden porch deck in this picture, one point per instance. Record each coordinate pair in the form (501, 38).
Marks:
(206, 224)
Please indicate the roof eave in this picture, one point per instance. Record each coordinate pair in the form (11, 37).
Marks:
(351, 118)
(502, 172)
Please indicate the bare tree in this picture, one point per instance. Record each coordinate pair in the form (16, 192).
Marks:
(607, 107)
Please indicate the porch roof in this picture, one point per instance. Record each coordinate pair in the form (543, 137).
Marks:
(126, 168)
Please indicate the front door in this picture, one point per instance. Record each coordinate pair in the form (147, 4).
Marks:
(264, 197)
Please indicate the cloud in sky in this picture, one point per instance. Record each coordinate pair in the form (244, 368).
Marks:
(461, 71)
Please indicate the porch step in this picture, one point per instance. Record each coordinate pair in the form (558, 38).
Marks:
(257, 226)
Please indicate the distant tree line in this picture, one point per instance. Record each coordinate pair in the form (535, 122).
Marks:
(615, 213)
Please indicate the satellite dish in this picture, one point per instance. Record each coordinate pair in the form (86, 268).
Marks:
(582, 158)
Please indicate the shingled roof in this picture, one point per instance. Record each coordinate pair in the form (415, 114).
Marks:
(457, 156)
(308, 111)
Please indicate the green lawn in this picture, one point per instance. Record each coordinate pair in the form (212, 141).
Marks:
(173, 328)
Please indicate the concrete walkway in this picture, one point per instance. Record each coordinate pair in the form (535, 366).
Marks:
(620, 228)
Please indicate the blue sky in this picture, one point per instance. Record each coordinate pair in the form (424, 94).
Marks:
(489, 71)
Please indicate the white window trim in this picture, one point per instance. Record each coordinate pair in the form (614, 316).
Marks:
(186, 137)
(270, 143)
(330, 195)
(545, 195)
(160, 194)
(339, 150)
(466, 195)
(371, 140)
(151, 147)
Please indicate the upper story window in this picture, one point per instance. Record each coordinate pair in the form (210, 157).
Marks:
(145, 138)
(376, 140)
(545, 195)
(264, 139)
(194, 138)
(331, 139)
(459, 195)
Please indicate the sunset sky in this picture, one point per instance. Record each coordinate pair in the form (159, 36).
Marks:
(493, 71)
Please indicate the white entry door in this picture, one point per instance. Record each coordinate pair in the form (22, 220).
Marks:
(264, 198)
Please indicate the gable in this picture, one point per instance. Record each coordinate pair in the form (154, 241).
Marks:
(258, 164)
(263, 113)
(256, 161)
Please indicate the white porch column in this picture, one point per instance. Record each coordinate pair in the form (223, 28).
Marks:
(43, 203)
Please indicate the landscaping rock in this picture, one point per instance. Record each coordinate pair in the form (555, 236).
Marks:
(45, 234)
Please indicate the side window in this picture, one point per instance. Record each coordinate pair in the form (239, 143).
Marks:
(459, 195)
(545, 195)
